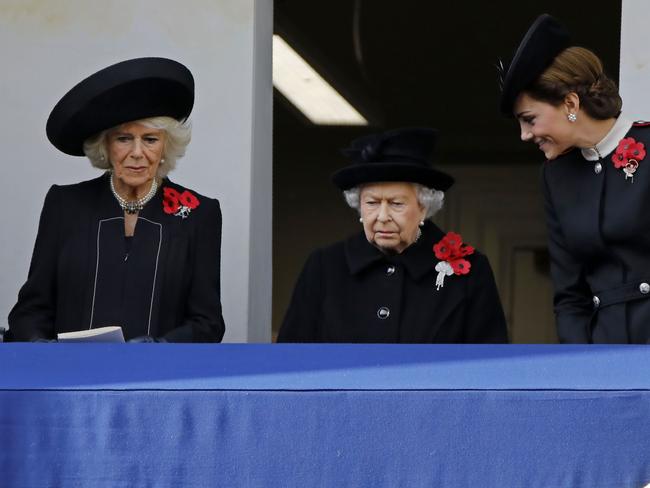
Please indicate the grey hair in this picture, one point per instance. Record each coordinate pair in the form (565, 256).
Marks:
(430, 198)
(177, 137)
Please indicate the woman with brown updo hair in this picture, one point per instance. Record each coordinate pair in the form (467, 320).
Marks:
(596, 185)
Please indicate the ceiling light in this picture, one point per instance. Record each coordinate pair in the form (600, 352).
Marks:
(308, 91)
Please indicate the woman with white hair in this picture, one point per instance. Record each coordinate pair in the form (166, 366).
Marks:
(401, 279)
(129, 248)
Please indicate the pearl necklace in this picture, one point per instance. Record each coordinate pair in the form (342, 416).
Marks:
(133, 207)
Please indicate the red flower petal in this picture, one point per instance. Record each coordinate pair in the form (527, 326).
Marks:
(466, 250)
(628, 148)
(460, 266)
(451, 248)
(171, 193)
(619, 159)
(637, 151)
(625, 143)
(453, 240)
(442, 250)
(170, 207)
(170, 200)
(188, 199)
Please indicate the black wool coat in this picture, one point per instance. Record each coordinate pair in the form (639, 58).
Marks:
(599, 243)
(82, 275)
(352, 292)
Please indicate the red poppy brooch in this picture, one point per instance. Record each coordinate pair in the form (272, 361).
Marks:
(178, 204)
(628, 154)
(451, 251)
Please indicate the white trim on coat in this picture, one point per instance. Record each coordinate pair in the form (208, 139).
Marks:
(155, 273)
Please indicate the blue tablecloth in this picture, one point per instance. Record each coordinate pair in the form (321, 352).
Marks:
(324, 415)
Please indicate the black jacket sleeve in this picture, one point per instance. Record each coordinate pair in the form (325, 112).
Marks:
(33, 316)
(301, 320)
(572, 295)
(203, 320)
(486, 322)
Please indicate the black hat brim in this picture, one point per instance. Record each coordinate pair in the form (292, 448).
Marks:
(544, 40)
(358, 174)
(126, 91)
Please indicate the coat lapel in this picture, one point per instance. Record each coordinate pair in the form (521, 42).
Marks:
(360, 254)
(169, 227)
(104, 207)
(420, 261)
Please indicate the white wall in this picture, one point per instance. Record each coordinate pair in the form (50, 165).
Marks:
(635, 59)
(48, 46)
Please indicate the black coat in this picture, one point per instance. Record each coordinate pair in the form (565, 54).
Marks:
(599, 243)
(81, 276)
(342, 288)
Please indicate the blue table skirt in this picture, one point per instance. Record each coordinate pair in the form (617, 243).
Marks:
(324, 416)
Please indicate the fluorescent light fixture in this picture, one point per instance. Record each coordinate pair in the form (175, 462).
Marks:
(308, 91)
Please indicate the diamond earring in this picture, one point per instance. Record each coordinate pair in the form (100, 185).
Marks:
(572, 117)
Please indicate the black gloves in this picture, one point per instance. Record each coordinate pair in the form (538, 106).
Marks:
(146, 339)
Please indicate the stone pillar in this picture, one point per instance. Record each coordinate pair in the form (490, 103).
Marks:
(635, 58)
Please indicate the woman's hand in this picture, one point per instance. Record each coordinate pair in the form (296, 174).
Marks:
(147, 339)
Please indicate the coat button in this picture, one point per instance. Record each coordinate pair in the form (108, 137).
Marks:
(644, 288)
(383, 313)
(598, 168)
(390, 270)
(596, 301)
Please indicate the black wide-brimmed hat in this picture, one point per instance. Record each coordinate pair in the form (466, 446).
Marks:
(396, 155)
(123, 92)
(545, 39)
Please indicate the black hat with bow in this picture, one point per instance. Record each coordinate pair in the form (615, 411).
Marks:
(127, 91)
(545, 39)
(396, 155)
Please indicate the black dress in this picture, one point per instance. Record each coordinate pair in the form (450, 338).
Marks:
(165, 282)
(599, 242)
(352, 292)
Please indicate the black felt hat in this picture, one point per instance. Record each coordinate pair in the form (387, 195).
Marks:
(545, 39)
(396, 155)
(126, 91)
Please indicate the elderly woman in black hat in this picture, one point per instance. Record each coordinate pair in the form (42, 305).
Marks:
(596, 184)
(129, 248)
(401, 279)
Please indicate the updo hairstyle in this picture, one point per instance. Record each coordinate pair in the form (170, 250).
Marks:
(578, 70)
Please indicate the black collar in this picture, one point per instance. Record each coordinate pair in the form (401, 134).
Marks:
(418, 258)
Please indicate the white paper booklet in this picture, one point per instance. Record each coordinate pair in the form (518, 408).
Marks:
(112, 333)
